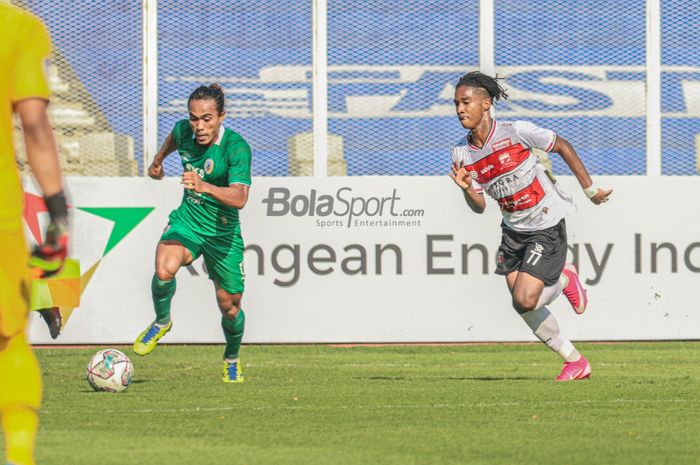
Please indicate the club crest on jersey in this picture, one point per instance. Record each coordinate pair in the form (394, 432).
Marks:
(209, 166)
(504, 159)
(473, 174)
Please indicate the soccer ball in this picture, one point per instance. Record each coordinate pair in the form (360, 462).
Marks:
(109, 370)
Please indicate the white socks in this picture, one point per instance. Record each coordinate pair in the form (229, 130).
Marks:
(552, 292)
(545, 327)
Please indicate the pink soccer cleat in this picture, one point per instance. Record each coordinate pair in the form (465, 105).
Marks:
(574, 291)
(580, 369)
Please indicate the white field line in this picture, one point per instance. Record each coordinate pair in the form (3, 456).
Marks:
(529, 404)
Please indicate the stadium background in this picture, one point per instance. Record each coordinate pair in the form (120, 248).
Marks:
(618, 79)
(391, 67)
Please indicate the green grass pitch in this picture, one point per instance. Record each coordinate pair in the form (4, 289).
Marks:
(403, 405)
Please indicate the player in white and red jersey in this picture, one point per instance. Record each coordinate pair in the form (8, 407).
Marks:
(497, 157)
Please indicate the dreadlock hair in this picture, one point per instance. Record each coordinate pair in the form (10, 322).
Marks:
(212, 92)
(482, 81)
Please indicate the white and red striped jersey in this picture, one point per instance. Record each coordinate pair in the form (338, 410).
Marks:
(507, 169)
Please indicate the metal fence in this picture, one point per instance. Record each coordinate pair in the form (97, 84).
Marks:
(333, 87)
(96, 78)
(680, 87)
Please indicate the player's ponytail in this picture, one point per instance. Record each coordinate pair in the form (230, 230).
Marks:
(212, 92)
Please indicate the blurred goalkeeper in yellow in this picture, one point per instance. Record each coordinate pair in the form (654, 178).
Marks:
(24, 49)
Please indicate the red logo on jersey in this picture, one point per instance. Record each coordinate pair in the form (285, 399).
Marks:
(523, 199)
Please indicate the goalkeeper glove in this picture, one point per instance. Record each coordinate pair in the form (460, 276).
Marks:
(47, 259)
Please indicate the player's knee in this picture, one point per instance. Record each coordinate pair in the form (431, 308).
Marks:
(229, 309)
(524, 301)
(229, 304)
(231, 313)
(168, 262)
(164, 272)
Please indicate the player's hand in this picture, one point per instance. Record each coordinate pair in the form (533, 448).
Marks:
(461, 176)
(601, 196)
(47, 259)
(192, 181)
(155, 171)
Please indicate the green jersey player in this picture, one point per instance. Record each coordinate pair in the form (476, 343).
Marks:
(216, 178)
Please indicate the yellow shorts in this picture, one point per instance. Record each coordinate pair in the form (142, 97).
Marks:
(15, 282)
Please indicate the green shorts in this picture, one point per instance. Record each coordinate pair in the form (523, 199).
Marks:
(223, 255)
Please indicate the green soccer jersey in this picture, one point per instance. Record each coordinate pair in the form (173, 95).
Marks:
(225, 162)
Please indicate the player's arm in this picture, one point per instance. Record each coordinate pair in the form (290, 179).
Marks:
(571, 158)
(169, 145)
(40, 144)
(235, 195)
(42, 156)
(239, 178)
(474, 199)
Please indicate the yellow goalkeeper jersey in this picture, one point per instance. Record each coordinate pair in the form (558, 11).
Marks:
(24, 50)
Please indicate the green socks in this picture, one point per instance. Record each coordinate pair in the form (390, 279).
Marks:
(163, 292)
(233, 332)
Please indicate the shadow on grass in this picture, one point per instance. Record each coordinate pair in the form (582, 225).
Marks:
(496, 378)
(88, 390)
(455, 378)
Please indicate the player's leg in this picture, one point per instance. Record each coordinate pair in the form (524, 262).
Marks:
(546, 328)
(20, 378)
(178, 247)
(224, 260)
(20, 398)
(537, 282)
(233, 325)
(171, 255)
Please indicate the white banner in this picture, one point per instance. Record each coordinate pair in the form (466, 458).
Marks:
(382, 259)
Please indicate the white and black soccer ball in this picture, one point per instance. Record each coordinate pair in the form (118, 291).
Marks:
(109, 370)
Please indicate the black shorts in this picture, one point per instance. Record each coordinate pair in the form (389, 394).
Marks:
(541, 254)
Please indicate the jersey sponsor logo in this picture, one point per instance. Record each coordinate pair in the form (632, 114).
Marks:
(418, 91)
(209, 166)
(191, 167)
(524, 199)
(502, 144)
(508, 185)
(499, 163)
(486, 169)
